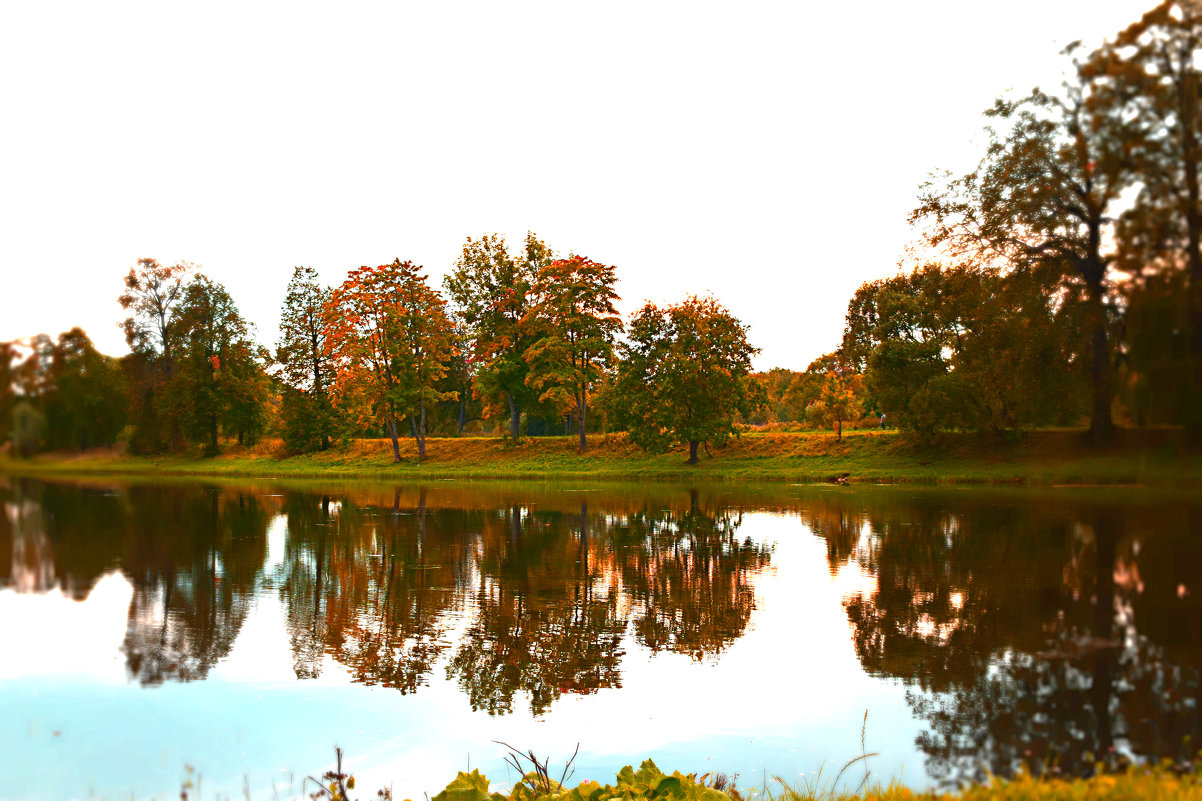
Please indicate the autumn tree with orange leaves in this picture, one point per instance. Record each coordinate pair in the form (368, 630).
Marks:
(390, 340)
(575, 324)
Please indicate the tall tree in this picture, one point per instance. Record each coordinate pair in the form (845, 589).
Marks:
(1151, 74)
(390, 340)
(686, 375)
(1044, 195)
(152, 292)
(575, 323)
(304, 365)
(219, 378)
(493, 292)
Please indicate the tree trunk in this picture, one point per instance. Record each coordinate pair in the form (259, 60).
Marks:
(583, 414)
(1101, 427)
(212, 435)
(515, 417)
(462, 408)
(421, 432)
(838, 429)
(392, 433)
(693, 451)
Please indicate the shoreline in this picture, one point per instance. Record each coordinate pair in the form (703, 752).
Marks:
(1042, 458)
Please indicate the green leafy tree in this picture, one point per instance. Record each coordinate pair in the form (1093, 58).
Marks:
(28, 429)
(963, 347)
(1044, 195)
(219, 379)
(84, 399)
(390, 340)
(493, 293)
(575, 323)
(305, 368)
(686, 375)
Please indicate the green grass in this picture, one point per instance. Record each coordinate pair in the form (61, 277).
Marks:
(1039, 457)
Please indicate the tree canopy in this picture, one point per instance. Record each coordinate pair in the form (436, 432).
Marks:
(685, 375)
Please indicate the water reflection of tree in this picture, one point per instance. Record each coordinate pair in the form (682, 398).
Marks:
(56, 537)
(193, 556)
(556, 593)
(546, 604)
(372, 587)
(1019, 629)
(545, 595)
(691, 578)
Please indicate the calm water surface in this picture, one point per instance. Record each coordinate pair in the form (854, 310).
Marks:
(246, 628)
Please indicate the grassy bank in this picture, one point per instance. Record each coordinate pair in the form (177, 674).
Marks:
(1040, 457)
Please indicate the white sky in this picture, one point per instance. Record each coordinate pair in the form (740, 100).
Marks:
(765, 152)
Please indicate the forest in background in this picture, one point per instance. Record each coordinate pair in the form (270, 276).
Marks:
(1057, 284)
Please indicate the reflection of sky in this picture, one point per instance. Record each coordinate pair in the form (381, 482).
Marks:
(785, 699)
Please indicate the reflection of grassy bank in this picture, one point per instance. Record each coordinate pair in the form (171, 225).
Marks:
(1039, 457)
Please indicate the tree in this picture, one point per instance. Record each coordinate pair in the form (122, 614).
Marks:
(686, 375)
(839, 399)
(28, 429)
(493, 293)
(801, 397)
(305, 367)
(1151, 74)
(151, 294)
(964, 347)
(390, 339)
(1043, 195)
(84, 399)
(574, 323)
(219, 377)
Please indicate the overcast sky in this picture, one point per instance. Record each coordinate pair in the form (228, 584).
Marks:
(767, 153)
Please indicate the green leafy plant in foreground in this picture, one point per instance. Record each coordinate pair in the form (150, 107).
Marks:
(647, 783)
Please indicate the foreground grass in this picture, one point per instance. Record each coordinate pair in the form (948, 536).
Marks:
(1040, 457)
(649, 783)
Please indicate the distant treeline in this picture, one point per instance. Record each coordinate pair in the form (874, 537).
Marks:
(530, 338)
(1058, 283)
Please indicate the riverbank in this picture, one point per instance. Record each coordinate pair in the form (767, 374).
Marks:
(1039, 457)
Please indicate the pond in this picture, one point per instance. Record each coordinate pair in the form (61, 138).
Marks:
(234, 632)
